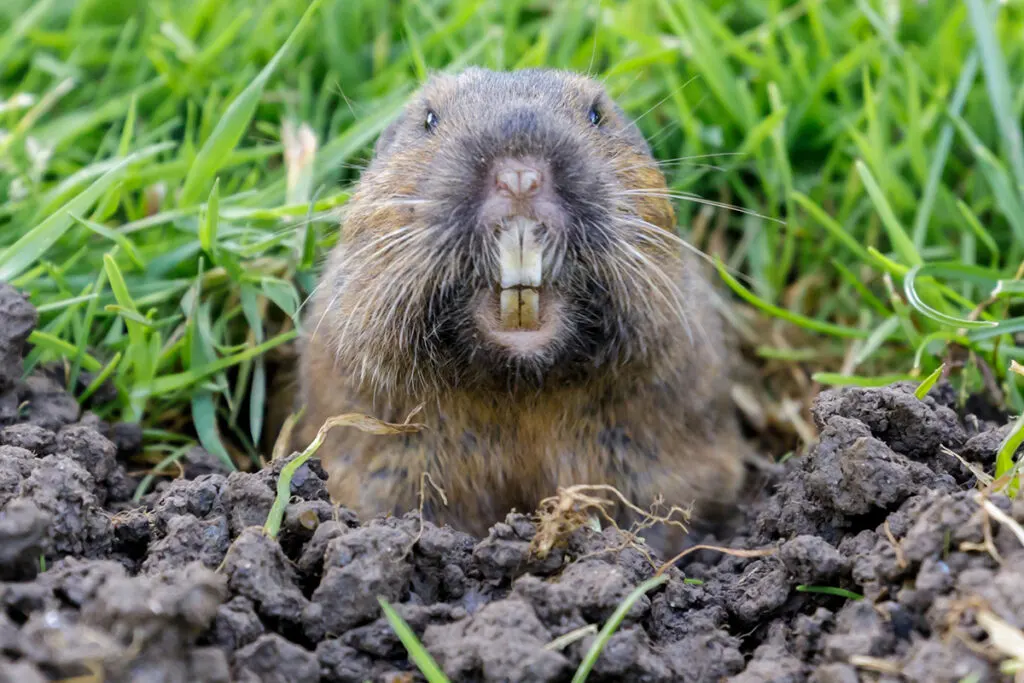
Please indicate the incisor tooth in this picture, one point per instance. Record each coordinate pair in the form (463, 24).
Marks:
(529, 309)
(519, 254)
(511, 258)
(520, 309)
(531, 260)
(510, 309)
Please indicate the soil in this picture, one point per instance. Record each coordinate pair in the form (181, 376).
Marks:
(185, 586)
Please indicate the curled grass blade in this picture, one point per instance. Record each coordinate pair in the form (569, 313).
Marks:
(363, 423)
(913, 297)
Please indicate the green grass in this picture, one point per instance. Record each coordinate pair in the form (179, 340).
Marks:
(432, 672)
(830, 590)
(146, 203)
(418, 654)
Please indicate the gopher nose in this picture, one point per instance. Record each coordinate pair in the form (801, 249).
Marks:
(518, 178)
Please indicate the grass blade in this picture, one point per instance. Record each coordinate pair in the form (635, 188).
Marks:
(838, 380)
(929, 381)
(1008, 326)
(417, 653)
(613, 624)
(101, 377)
(117, 238)
(910, 289)
(208, 225)
(138, 355)
(1007, 449)
(877, 338)
(229, 130)
(942, 147)
(33, 244)
(20, 27)
(976, 227)
(204, 417)
(58, 346)
(363, 423)
(795, 318)
(147, 480)
(258, 382)
(901, 243)
(997, 80)
(181, 380)
(830, 590)
(831, 225)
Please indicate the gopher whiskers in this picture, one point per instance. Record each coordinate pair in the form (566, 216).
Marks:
(389, 306)
(359, 309)
(681, 161)
(323, 316)
(397, 236)
(669, 292)
(656, 236)
(697, 199)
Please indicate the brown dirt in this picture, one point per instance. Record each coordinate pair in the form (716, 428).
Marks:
(186, 587)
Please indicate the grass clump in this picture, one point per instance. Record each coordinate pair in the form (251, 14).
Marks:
(171, 175)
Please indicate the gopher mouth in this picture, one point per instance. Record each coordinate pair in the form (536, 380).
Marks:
(521, 269)
(521, 313)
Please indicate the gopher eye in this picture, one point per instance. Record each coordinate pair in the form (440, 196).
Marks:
(595, 116)
(431, 121)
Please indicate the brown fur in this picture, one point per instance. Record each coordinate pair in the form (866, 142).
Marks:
(650, 415)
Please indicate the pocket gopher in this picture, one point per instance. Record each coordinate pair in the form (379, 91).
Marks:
(509, 259)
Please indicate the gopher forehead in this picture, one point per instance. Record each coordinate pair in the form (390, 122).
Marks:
(478, 87)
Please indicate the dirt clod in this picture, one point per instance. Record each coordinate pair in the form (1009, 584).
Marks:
(19, 319)
(185, 585)
(22, 530)
(272, 659)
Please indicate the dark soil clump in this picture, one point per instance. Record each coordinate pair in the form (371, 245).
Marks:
(885, 567)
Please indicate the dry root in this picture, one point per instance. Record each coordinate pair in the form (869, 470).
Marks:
(575, 507)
